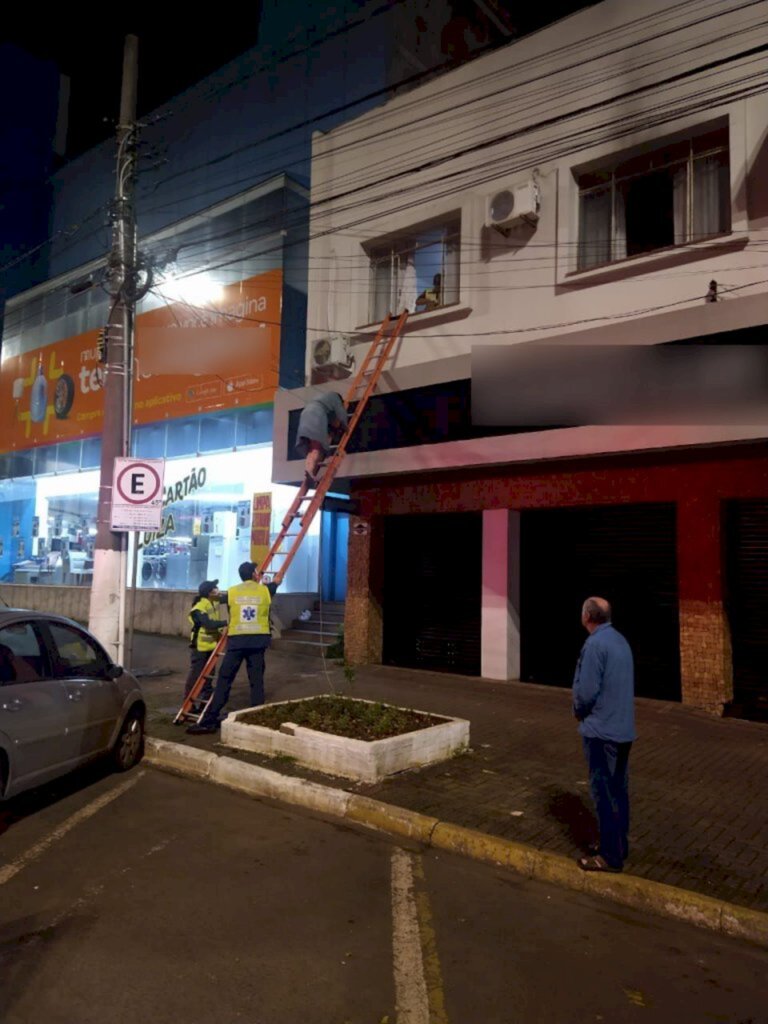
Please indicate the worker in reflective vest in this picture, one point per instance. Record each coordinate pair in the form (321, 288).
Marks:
(205, 631)
(248, 637)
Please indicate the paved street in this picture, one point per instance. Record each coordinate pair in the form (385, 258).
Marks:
(148, 897)
(699, 806)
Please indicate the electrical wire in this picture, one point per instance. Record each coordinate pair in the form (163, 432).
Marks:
(593, 42)
(340, 229)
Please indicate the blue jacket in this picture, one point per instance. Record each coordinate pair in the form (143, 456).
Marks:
(604, 687)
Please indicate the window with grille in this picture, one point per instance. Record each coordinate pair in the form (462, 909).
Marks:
(676, 194)
(417, 270)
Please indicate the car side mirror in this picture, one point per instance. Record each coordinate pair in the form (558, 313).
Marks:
(115, 671)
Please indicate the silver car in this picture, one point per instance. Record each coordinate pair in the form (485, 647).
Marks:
(63, 701)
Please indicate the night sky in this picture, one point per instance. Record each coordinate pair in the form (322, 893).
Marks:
(173, 54)
(171, 58)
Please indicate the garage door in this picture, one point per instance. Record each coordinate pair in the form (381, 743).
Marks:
(432, 592)
(747, 603)
(625, 553)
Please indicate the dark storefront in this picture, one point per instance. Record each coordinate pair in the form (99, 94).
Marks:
(432, 592)
(746, 540)
(624, 553)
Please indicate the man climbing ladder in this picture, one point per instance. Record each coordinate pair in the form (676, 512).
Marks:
(309, 499)
(319, 420)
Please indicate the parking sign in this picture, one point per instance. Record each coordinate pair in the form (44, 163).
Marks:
(137, 494)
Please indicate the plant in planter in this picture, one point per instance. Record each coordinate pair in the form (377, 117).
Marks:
(346, 736)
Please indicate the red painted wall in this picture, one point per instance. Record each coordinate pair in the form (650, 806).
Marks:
(696, 481)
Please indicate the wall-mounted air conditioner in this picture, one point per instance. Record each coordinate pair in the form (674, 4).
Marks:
(332, 351)
(511, 207)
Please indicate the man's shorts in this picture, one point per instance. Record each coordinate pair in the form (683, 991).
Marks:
(304, 446)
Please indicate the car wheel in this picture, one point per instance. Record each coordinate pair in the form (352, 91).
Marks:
(129, 745)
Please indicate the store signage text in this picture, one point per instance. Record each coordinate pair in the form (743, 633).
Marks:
(182, 489)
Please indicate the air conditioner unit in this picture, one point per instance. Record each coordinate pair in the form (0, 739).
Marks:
(332, 351)
(514, 206)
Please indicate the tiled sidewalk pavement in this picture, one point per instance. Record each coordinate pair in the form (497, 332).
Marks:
(698, 784)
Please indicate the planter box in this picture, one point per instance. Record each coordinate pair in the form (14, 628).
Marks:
(367, 761)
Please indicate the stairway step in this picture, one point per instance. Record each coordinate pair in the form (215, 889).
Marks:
(324, 636)
(302, 647)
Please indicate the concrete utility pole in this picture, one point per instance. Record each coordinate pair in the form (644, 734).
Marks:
(106, 617)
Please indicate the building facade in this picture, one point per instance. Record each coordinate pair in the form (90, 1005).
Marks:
(222, 212)
(599, 183)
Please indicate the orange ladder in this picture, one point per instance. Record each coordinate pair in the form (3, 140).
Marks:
(308, 500)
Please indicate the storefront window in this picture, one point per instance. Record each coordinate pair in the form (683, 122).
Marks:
(48, 525)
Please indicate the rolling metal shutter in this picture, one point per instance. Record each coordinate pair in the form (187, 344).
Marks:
(625, 553)
(747, 603)
(432, 592)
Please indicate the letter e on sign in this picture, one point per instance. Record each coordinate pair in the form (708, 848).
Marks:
(137, 494)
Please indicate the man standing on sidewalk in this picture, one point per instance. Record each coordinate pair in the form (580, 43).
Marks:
(248, 637)
(603, 703)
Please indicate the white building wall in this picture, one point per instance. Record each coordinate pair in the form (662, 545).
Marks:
(576, 92)
(609, 78)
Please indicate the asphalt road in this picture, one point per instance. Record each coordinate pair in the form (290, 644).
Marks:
(151, 898)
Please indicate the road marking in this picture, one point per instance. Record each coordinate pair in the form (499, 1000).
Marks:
(9, 870)
(411, 1002)
(419, 996)
(432, 973)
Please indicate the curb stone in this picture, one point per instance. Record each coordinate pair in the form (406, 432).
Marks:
(629, 890)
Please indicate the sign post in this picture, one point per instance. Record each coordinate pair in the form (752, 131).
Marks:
(137, 506)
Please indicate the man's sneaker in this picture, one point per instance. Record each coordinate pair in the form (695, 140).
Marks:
(202, 730)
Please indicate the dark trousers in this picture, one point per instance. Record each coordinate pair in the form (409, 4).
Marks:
(608, 782)
(231, 662)
(197, 660)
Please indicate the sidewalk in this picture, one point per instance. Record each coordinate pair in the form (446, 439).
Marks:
(698, 790)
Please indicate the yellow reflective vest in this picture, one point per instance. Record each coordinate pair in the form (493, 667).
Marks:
(203, 639)
(248, 609)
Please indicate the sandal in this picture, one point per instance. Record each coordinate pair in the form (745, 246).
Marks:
(597, 863)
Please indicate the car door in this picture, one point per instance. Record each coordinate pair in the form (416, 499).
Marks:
(35, 716)
(81, 666)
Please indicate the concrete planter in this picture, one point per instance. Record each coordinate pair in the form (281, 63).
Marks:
(365, 760)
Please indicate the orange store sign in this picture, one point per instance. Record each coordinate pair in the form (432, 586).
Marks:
(188, 361)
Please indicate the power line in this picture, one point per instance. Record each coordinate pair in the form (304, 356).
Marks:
(532, 62)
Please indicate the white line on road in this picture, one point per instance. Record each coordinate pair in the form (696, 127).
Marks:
(411, 1000)
(7, 872)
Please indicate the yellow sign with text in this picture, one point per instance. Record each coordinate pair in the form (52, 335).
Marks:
(261, 522)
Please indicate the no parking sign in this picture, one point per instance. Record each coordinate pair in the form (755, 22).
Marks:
(137, 494)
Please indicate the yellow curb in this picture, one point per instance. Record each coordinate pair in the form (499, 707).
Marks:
(646, 895)
(481, 846)
(630, 890)
(397, 820)
(557, 870)
(744, 923)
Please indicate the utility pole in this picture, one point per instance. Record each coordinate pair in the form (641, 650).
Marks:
(106, 617)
